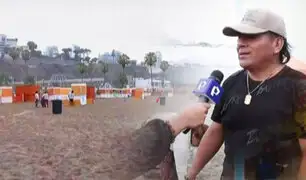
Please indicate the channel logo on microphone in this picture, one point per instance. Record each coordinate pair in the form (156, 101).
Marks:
(210, 89)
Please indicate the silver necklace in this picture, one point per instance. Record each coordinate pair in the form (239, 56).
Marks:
(248, 96)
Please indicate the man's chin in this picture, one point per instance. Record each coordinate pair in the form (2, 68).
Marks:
(244, 64)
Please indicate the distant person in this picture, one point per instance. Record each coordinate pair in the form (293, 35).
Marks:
(36, 96)
(71, 97)
(45, 99)
(262, 115)
(150, 145)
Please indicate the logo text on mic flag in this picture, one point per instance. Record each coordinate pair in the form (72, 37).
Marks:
(210, 89)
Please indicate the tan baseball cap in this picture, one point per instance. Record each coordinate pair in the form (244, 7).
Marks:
(256, 21)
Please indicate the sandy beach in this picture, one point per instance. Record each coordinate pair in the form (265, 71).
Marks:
(35, 144)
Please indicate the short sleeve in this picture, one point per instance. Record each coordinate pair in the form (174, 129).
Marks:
(216, 115)
(300, 107)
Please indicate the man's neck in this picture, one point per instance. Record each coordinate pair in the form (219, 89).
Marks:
(261, 74)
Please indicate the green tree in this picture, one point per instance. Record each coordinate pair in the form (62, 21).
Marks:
(4, 79)
(150, 60)
(82, 69)
(91, 67)
(14, 53)
(113, 54)
(77, 52)
(86, 52)
(32, 47)
(164, 65)
(123, 79)
(29, 80)
(67, 52)
(104, 69)
(123, 60)
(87, 59)
(26, 56)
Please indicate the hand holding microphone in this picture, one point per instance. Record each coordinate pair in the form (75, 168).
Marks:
(209, 90)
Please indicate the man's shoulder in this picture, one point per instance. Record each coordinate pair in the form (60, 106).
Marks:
(297, 77)
(294, 74)
(233, 77)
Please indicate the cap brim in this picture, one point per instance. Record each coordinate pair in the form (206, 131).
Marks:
(236, 30)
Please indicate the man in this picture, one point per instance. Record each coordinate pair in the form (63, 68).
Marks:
(36, 98)
(261, 116)
(45, 99)
(71, 97)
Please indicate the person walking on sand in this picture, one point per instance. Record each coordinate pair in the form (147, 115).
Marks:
(36, 99)
(45, 99)
(71, 97)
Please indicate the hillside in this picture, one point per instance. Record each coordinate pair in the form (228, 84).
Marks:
(44, 68)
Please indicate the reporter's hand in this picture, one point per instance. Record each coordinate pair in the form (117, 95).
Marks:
(197, 134)
(191, 117)
(195, 115)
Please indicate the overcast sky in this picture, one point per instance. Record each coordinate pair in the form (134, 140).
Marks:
(138, 26)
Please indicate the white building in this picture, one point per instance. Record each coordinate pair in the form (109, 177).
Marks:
(146, 83)
(159, 59)
(7, 42)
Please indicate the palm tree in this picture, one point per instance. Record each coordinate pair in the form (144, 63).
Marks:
(32, 47)
(66, 52)
(104, 70)
(14, 53)
(124, 60)
(26, 56)
(113, 54)
(87, 51)
(164, 65)
(82, 69)
(77, 51)
(123, 79)
(87, 59)
(150, 60)
(4, 79)
(91, 66)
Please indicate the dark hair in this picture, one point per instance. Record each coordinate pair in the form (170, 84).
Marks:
(285, 53)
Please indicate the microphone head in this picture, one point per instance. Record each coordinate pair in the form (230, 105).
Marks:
(217, 75)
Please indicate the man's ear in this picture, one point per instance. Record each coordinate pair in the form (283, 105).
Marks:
(278, 44)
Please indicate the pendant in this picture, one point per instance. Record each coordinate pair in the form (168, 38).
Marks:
(247, 99)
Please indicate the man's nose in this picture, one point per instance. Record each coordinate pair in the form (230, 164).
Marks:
(242, 43)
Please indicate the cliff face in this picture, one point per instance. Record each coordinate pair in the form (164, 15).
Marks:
(44, 69)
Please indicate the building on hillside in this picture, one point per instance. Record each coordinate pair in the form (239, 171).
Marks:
(159, 59)
(106, 85)
(11, 42)
(146, 83)
(6, 42)
(108, 58)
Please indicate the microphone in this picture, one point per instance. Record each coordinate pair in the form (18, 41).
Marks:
(209, 90)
